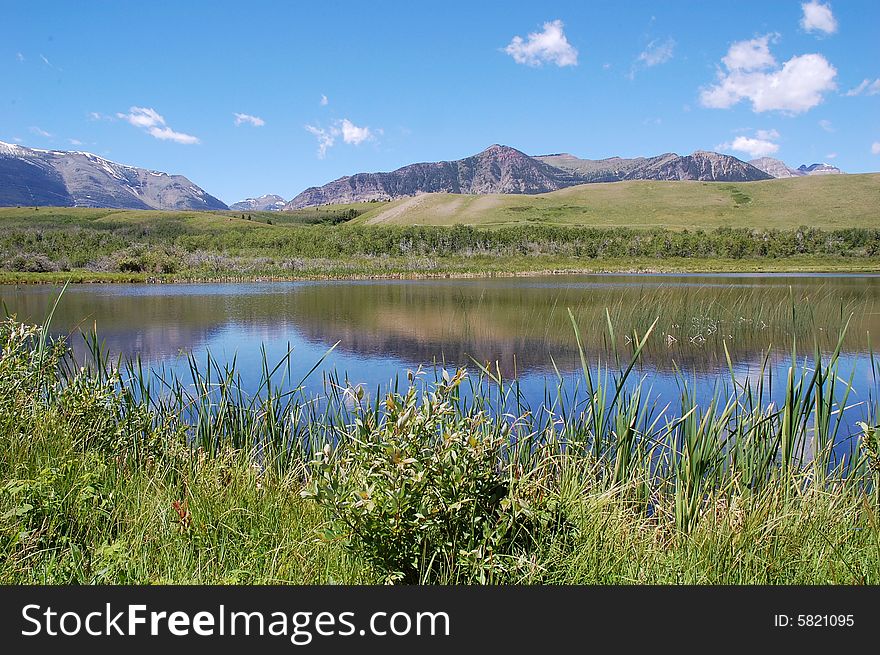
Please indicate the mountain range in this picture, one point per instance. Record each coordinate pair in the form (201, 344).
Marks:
(80, 179)
(778, 168)
(30, 176)
(502, 169)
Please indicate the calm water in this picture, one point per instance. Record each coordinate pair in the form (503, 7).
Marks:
(522, 324)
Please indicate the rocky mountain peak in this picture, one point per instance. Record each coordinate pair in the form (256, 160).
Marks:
(819, 169)
(779, 169)
(498, 149)
(501, 153)
(269, 202)
(10, 149)
(503, 169)
(62, 178)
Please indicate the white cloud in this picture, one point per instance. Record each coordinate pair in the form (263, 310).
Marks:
(826, 125)
(41, 132)
(875, 148)
(150, 120)
(324, 100)
(657, 53)
(167, 134)
(326, 139)
(350, 133)
(750, 55)
(19, 56)
(831, 155)
(867, 87)
(75, 142)
(752, 74)
(547, 47)
(353, 134)
(256, 121)
(754, 147)
(654, 54)
(818, 17)
(142, 117)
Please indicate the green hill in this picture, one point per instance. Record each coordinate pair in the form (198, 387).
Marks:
(829, 201)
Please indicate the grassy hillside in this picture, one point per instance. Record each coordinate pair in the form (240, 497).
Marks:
(832, 201)
(50, 218)
(827, 202)
(188, 221)
(623, 226)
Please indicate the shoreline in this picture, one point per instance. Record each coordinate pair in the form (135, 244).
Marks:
(802, 265)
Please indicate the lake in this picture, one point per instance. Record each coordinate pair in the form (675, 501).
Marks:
(519, 327)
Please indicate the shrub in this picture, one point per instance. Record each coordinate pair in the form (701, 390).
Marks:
(130, 265)
(28, 363)
(58, 507)
(139, 259)
(29, 262)
(425, 494)
(97, 413)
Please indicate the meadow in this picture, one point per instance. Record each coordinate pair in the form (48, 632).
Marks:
(828, 202)
(626, 226)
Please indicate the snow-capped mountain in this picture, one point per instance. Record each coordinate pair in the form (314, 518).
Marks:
(778, 168)
(61, 178)
(819, 169)
(269, 202)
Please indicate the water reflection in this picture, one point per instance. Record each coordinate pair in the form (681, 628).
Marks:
(520, 326)
(518, 323)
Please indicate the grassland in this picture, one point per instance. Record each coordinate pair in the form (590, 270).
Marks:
(113, 476)
(172, 221)
(402, 268)
(628, 226)
(829, 202)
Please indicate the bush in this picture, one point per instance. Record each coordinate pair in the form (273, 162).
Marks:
(424, 494)
(59, 506)
(28, 363)
(139, 259)
(98, 414)
(130, 265)
(29, 262)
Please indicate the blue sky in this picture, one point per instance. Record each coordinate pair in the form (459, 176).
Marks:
(247, 98)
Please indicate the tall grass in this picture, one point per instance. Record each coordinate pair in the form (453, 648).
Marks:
(657, 490)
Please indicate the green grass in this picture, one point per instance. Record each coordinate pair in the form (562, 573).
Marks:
(460, 267)
(114, 476)
(187, 221)
(627, 226)
(825, 201)
(110, 219)
(830, 201)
